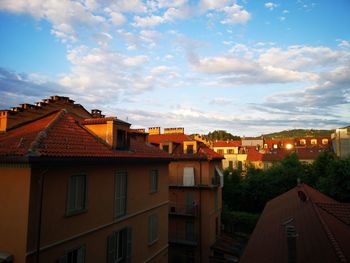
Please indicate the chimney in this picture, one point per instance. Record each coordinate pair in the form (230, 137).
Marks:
(179, 130)
(96, 113)
(154, 130)
(112, 131)
(291, 243)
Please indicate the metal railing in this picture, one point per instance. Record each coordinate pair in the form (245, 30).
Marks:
(183, 209)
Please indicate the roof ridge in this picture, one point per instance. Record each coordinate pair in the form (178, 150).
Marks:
(334, 243)
(43, 134)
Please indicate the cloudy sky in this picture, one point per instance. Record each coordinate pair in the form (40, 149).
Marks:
(248, 67)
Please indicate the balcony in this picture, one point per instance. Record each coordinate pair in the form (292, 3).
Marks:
(191, 210)
(183, 238)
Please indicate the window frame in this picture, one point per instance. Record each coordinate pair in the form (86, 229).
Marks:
(154, 180)
(82, 248)
(113, 249)
(153, 228)
(75, 210)
(120, 210)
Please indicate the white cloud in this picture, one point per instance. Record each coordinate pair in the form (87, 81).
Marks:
(270, 5)
(148, 21)
(135, 61)
(235, 14)
(64, 15)
(117, 19)
(213, 4)
(343, 44)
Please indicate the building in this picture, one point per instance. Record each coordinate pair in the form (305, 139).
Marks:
(195, 186)
(234, 153)
(79, 187)
(341, 142)
(261, 154)
(301, 225)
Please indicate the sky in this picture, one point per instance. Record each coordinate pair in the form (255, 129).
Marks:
(248, 67)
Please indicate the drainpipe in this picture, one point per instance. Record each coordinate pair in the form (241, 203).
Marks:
(41, 199)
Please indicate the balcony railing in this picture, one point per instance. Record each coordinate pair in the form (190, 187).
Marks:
(183, 209)
(183, 238)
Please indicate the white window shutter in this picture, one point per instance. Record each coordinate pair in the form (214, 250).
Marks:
(188, 178)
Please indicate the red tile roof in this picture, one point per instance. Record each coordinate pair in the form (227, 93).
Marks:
(60, 135)
(227, 144)
(321, 224)
(253, 155)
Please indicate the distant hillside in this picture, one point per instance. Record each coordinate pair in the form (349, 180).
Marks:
(220, 135)
(298, 133)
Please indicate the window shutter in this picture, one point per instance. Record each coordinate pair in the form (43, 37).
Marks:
(81, 254)
(111, 247)
(129, 245)
(188, 178)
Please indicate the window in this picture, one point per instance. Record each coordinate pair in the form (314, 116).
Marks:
(120, 193)
(190, 203)
(190, 149)
(166, 148)
(302, 142)
(230, 164)
(74, 256)
(153, 228)
(230, 151)
(121, 139)
(275, 145)
(313, 141)
(76, 194)
(190, 236)
(220, 151)
(153, 181)
(119, 246)
(324, 141)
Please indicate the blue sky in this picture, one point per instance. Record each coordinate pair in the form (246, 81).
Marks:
(248, 67)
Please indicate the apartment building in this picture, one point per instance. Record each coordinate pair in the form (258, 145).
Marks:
(195, 187)
(262, 153)
(341, 142)
(79, 187)
(234, 153)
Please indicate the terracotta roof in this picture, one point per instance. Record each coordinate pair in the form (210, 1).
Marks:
(60, 135)
(302, 153)
(253, 155)
(321, 225)
(211, 154)
(227, 144)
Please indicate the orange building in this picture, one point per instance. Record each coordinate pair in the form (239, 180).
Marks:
(79, 187)
(195, 185)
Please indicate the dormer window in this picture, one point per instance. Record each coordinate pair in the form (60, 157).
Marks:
(121, 139)
(166, 148)
(313, 141)
(190, 149)
(324, 141)
(302, 142)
